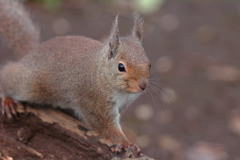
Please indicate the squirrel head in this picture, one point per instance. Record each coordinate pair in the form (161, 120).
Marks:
(127, 63)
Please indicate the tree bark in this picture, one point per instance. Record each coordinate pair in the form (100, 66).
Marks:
(48, 134)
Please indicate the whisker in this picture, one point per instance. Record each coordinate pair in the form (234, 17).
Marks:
(153, 75)
(158, 99)
(155, 95)
(169, 97)
(150, 96)
(171, 84)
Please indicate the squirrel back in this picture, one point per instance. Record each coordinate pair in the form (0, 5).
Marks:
(17, 28)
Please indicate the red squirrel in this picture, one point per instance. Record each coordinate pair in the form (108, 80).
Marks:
(96, 80)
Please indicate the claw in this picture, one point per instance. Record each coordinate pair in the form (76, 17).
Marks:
(13, 111)
(8, 112)
(131, 150)
(117, 148)
(136, 148)
(8, 107)
(2, 110)
(20, 106)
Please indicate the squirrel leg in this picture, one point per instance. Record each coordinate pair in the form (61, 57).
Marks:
(110, 132)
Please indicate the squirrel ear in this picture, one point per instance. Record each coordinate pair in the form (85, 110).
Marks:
(114, 39)
(138, 26)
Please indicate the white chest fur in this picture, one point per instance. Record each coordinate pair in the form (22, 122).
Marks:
(124, 99)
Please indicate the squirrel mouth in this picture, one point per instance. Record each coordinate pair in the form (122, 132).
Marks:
(137, 89)
(136, 86)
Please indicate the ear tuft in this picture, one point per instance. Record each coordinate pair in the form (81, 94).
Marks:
(138, 26)
(114, 39)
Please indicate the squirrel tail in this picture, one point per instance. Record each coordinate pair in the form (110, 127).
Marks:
(17, 28)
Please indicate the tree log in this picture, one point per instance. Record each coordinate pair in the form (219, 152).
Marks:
(48, 134)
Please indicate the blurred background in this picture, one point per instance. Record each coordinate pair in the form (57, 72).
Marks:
(192, 109)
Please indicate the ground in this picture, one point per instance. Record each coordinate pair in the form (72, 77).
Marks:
(193, 113)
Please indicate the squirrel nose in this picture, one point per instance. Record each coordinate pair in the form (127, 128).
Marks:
(142, 86)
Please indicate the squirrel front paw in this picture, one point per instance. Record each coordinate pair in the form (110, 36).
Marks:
(120, 145)
(131, 150)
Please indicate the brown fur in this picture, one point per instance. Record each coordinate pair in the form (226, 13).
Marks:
(18, 30)
(82, 74)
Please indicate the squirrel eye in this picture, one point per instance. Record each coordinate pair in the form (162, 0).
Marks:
(121, 67)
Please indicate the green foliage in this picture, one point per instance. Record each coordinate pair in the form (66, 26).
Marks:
(148, 6)
(50, 4)
(53, 4)
(142, 6)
